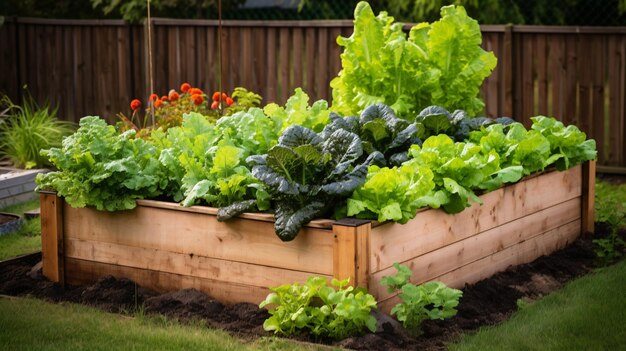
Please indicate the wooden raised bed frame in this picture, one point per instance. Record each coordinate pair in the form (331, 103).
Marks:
(164, 246)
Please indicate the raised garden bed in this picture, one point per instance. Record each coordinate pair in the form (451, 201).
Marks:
(17, 185)
(164, 246)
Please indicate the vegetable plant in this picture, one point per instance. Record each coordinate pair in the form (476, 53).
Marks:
(306, 174)
(322, 310)
(99, 167)
(298, 112)
(379, 130)
(432, 300)
(440, 63)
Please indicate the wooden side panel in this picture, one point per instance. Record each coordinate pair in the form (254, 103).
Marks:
(524, 252)
(433, 229)
(52, 237)
(82, 272)
(182, 264)
(182, 232)
(449, 258)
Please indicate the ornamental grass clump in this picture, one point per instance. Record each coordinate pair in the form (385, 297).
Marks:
(27, 129)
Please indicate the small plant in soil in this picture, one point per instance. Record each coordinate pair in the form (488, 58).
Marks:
(432, 300)
(320, 309)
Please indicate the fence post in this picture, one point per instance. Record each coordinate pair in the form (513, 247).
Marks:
(351, 250)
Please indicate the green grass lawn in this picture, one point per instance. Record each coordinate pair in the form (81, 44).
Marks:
(29, 324)
(588, 314)
(25, 240)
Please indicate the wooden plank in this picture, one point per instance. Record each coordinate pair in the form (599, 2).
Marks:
(284, 65)
(270, 83)
(83, 272)
(265, 217)
(617, 115)
(507, 68)
(585, 112)
(528, 79)
(351, 251)
(433, 229)
(542, 76)
(260, 62)
(192, 233)
(322, 90)
(570, 115)
(183, 264)
(588, 197)
(310, 65)
(524, 252)
(246, 61)
(233, 69)
(557, 73)
(297, 43)
(344, 253)
(597, 117)
(52, 237)
(448, 258)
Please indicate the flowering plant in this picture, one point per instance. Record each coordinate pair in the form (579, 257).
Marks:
(167, 111)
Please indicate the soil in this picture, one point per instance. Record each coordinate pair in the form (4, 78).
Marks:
(487, 302)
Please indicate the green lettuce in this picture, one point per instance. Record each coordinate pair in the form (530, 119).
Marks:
(298, 112)
(440, 63)
(100, 168)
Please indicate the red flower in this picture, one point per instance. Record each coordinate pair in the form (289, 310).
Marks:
(173, 95)
(215, 104)
(135, 105)
(196, 91)
(197, 99)
(229, 101)
(154, 97)
(185, 87)
(216, 96)
(158, 103)
(163, 98)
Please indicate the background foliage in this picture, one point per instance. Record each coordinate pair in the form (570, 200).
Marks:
(535, 12)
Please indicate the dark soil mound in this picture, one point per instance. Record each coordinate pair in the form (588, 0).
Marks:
(486, 302)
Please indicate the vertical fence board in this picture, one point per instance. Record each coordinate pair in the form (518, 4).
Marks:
(571, 97)
(283, 64)
(310, 64)
(542, 76)
(597, 117)
(528, 80)
(297, 47)
(271, 66)
(556, 51)
(321, 84)
(584, 83)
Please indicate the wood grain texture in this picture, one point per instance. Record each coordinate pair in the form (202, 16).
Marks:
(226, 271)
(588, 197)
(52, 237)
(524, 252)
(83, 272)
(199, 234)
(484, 244)
(433, 229)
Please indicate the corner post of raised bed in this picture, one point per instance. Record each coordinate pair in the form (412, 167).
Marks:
(351, 250)
(588, 196)
(52, 236)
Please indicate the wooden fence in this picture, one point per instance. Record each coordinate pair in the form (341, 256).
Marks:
(91, 67)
